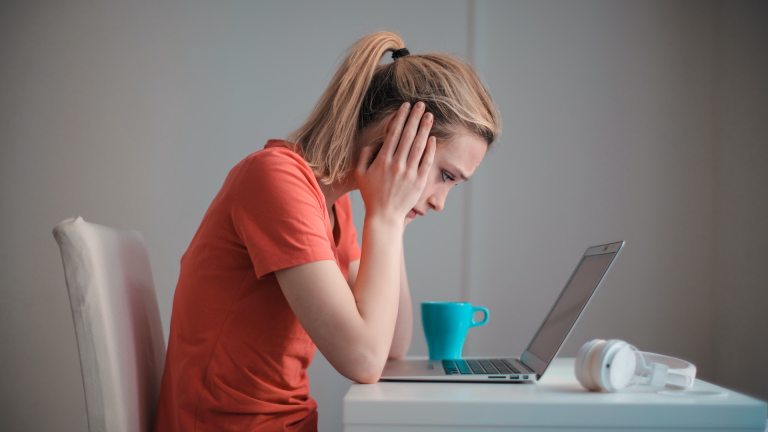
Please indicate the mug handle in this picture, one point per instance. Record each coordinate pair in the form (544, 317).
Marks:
(486, 314)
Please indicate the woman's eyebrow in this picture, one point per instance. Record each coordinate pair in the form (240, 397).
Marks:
(457, 171)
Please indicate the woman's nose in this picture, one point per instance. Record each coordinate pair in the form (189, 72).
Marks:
(436, 201)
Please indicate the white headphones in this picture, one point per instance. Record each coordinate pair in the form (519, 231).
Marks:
(611, 365)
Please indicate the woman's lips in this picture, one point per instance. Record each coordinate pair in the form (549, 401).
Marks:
(413, 213)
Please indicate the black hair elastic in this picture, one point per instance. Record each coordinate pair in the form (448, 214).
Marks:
(402, 52)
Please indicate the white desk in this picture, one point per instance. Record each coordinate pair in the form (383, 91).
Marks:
(556, 403)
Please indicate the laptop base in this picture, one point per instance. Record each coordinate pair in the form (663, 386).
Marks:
(433, 370)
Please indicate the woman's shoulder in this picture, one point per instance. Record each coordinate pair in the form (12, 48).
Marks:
(275, 151)
(277, 156)
(278, 165)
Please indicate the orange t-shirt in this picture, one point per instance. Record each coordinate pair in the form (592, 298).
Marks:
(237, 355)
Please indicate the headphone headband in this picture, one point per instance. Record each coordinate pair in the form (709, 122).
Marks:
(680, 373)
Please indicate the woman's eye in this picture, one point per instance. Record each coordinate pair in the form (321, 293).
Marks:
(446, 176)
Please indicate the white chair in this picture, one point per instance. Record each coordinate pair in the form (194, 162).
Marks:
(117, 323)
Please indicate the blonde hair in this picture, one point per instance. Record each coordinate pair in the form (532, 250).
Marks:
(363, 91)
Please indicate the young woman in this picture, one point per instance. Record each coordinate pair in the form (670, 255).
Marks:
(275, 271)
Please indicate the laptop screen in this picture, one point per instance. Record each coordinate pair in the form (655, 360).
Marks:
(572, 301)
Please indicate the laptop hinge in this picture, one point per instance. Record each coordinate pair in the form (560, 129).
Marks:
(522, 366)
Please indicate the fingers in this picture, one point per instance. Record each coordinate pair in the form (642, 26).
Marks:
(406, 139)
(420, 141)
(416, 118)
(394, 130)
(428, 157)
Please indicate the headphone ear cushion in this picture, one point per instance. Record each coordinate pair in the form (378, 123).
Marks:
(584, 360)
(618, 366)
(595, 364)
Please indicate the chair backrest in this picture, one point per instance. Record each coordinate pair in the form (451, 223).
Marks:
(117, 323)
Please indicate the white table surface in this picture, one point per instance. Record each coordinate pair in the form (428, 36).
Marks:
(555, 403)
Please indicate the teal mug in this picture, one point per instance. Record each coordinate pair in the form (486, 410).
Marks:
(446, 324)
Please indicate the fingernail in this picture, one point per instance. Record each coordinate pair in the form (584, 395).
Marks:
(405, 104)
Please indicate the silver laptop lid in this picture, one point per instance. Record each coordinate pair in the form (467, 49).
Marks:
(567, 309)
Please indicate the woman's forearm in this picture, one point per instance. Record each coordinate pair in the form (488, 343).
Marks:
(376, 289)
(401, 340)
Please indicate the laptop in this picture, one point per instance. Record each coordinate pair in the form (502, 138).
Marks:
(542, 349)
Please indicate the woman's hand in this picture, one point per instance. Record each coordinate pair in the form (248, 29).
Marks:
(392, 184)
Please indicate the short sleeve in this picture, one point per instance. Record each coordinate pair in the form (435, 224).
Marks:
(278, 211)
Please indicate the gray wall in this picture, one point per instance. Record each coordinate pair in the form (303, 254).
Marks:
(741, 106)
(609, 135)
(642, 121)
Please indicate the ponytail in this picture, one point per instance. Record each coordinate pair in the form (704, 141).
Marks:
(326, 138)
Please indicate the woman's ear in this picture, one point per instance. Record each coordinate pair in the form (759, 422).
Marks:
(376, 148)
(387, 121)
(374, 134)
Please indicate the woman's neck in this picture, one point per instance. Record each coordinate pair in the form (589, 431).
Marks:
(336, 190)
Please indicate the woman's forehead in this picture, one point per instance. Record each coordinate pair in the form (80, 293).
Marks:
(465, 150)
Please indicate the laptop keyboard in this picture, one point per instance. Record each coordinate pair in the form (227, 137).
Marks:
(479, 367)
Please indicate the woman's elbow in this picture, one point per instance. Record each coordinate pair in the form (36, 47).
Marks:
(364, 369)
(370, 378)
(364, 375)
